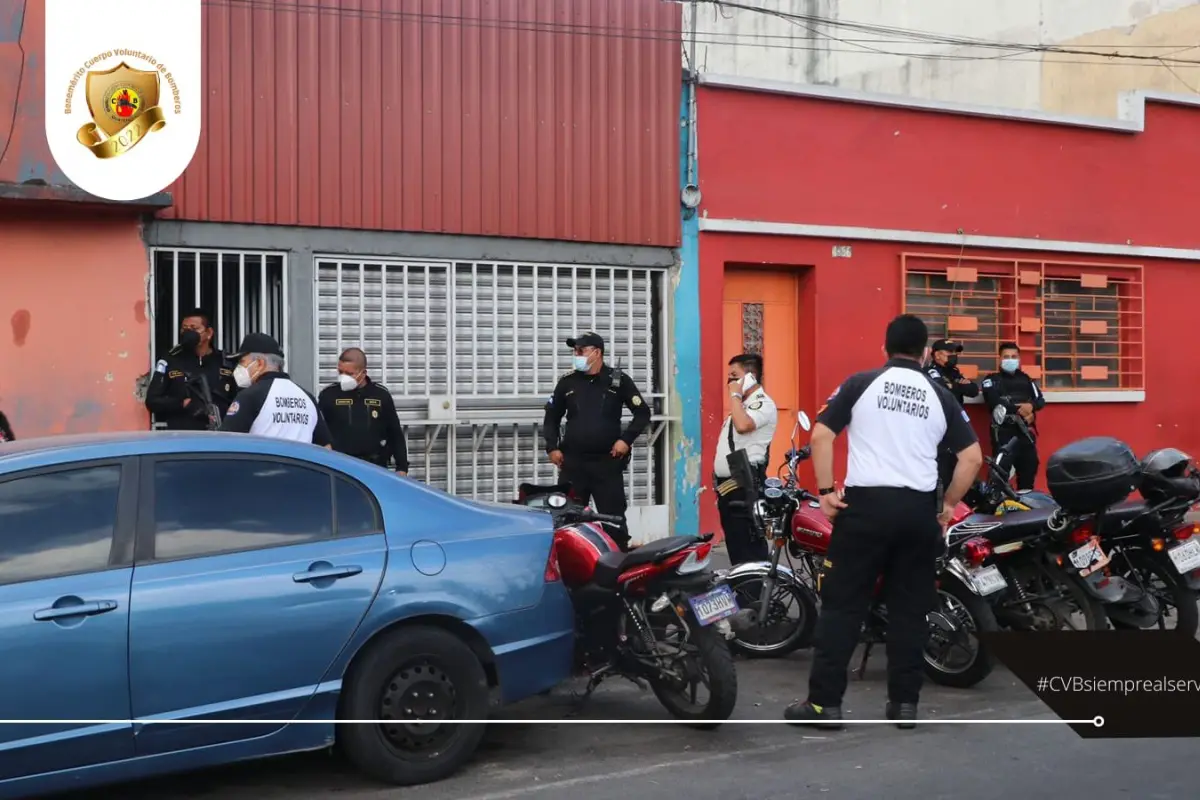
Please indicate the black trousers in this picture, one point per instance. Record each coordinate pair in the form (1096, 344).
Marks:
(741, 541)
(888, 533)
(1025, 457)
(601, 480)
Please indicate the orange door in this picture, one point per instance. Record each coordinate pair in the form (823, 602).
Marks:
(761, 314)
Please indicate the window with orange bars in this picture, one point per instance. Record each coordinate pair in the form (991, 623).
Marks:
(1079, 324)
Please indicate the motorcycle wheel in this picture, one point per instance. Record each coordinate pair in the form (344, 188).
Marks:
(966, 607)
(1160, 577)
(775, 639)
(709, 661)
(1089, 608)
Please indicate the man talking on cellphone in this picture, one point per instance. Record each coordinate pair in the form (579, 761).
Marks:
(887, 523)
(750, 426)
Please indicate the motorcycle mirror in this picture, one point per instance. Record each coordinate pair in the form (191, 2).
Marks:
(557, 501)
(802, 418)
(999, 414)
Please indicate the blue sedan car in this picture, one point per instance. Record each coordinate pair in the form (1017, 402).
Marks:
(170, 601)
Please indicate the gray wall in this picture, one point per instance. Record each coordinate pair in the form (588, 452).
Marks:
(301, 243)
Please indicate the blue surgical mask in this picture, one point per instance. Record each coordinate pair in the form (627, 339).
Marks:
(581, 363)
(1009, 364)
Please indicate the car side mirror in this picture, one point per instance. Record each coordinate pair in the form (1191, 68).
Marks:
(557, 500)
(999, 414)
(804, 421)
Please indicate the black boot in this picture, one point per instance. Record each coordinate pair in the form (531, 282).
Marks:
(827, 717)
(905, 714)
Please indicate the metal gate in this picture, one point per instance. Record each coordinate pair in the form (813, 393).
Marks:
(242, 291)
(471, 350)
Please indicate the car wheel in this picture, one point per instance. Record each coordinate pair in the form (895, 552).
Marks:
(419, 673)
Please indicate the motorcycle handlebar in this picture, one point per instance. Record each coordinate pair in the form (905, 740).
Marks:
(587, 515)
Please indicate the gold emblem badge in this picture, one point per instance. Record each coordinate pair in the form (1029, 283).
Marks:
(637, 400)
(374, 414)
(123, 102)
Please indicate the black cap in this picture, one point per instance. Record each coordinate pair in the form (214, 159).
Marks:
(589, 339)
(258, 343)
(949, 345)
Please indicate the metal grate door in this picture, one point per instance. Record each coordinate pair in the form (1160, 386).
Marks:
(479, 404)
(242, 291)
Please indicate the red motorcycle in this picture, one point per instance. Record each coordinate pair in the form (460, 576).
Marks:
(791, 520)
(651, 615)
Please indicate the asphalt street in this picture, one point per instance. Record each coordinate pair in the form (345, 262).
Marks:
(531, 759)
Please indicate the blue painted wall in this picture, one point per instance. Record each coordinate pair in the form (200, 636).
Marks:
(685, 443)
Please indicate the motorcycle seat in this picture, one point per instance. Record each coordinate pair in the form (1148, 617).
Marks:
(1124, 512)
(611, 565)
(532, 489)
(1011, 527)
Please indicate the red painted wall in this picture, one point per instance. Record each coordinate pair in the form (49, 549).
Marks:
(822, 162)
(825, 162)
(554, 120)
(75, 337)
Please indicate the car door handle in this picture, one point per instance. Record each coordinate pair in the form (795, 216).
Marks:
(81, 610)
(325, 574)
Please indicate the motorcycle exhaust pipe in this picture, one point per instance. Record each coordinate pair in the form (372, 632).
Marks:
(1112, 589)
(1142, 614)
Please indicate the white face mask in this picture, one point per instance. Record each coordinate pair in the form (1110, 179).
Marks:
(347, 382)
(241, 376)
(748, 380)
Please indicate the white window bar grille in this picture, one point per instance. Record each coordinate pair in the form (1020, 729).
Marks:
(491, 336)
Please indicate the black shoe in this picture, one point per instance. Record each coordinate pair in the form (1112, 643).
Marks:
(827, 717)
(905, 715)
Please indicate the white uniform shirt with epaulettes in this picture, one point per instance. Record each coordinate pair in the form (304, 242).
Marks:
(760, 408)
(897, 418)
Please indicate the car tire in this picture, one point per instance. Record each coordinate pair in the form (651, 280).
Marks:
(426, 671)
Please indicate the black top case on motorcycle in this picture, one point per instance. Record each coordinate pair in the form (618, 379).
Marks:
(1091, 475)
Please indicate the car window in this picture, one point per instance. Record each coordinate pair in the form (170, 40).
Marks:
(57, 523)
(208, 506)
(356, 511)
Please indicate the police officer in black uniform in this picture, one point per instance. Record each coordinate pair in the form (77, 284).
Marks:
(361, 415)
(594, 452)
(943, 367)
(887, 524)
(193, 386)
(1021, 395)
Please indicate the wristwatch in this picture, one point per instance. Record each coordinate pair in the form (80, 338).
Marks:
(824, 492)
(735, 394)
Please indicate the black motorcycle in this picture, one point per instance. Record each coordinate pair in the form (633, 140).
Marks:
(1010, 541)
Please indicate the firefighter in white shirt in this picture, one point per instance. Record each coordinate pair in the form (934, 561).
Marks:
(750, 427)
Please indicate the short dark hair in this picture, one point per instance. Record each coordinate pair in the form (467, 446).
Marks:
(196, 312)
(354, 355)
(906, 335)
(751, 362)
(1008, 346)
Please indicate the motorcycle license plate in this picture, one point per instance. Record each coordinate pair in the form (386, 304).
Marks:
(1186, 556)
(988, 580)
(714, 606)
(1089, 558)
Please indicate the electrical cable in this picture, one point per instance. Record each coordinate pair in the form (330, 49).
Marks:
(719, 38)
(808, 20)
